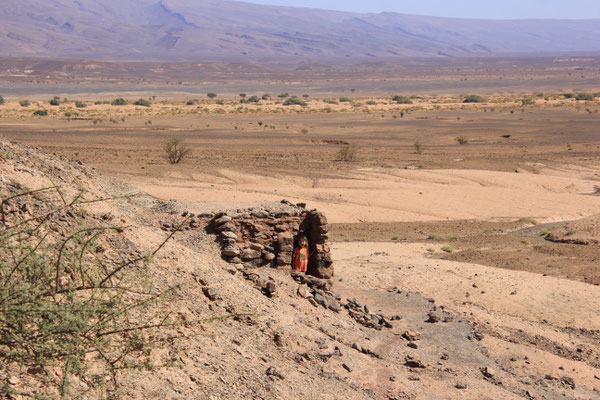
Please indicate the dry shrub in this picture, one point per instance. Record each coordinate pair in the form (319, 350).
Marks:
(175, 150)
(347, 152)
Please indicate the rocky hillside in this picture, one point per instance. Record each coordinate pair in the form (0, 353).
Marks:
(249, 330)
(223, 30)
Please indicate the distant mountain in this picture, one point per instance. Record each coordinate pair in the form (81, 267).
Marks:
(223, 30)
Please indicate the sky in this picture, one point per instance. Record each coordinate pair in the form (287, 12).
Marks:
(496, 9)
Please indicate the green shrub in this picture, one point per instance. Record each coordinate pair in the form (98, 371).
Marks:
(568, 95)
(345, 100)
(402, 100)
(102, 102)
(294, 101)
(371, 102)
(142, 102)
(64, 304)
(330, 101)
(1, 100)
(242, 95)
(266, 96)
(584, 97)
(211, 95)
(253, 99)
(283, 95)
(473, 98)
(80, 104)
(119, 102)
(41, 113)
(55, 101)
(24, 103)
(447, 249)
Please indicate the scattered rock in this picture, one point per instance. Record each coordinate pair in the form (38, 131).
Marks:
(568, 381)
(488, 372)
(413, 345)
(347, 367)
(222, 220)
(230, 252)
(461, 386)
(271, 371)
(433, 318)
(304, 292)
(411, 335)
(414, 363)
(210, 293)
(414, 378)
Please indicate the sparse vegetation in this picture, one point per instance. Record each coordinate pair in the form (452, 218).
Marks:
(142, 102)
(1, 100)
(402, 99)
(24, 103)
(283, 95)
(447, 249)
(253, 99)
(40, 113)
(347, 152)
(584, 97)
(266, 96)
(527, 101)
(211, 95)
(55, 101)
(570, 233)
(294, 101)
(80, 104)
(330, 101)
(345, 100)
(473, 98)
(176, 150)
(63, 305)
(419, 148)
(528, 220)
(119, 102)
(462, 140)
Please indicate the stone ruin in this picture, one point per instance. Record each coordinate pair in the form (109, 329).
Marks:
(263, 238)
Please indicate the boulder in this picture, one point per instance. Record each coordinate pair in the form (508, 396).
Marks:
(230, 252)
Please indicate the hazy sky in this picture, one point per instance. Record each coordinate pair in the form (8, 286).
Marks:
(499, 9)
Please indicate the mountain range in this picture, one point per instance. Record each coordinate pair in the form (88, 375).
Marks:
(224, 30)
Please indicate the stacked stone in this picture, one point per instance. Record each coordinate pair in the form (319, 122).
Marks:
(257, 238)
(315, 227)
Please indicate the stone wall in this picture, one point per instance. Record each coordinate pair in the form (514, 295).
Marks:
(266, 238)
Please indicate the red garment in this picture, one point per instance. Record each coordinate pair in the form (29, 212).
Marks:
(300, 259)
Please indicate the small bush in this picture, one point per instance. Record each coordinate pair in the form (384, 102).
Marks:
(473, 98)
(142, 102)
(175, 150)
(242, 95)
(102, 102)
(1, 100)
(347, 152)
(55, 101)
(528, 220)
(402, 100)
(253, 99)
(41, 113)
(24, 103)
(283, 95)
(294, 101)
(80, 104)
(584, 97)
(447, 249)
(419, 149)
(571, 233)
(371, 102)
(345, 100)
(568, 95)
(211, 95)
(266, 96)
(119, 102)
(527, 102)
(462, 140)
(191, 102)
(330, 101)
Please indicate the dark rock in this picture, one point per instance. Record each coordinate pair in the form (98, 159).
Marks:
(210, 293)
(413, 345)
(271, 371)
(249, 254)
(347, 367)
(461, 386)
(230, 252)
(411, 335)
(222, 220)
(433, 318)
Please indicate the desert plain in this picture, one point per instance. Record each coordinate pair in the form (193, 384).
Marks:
(490, 209)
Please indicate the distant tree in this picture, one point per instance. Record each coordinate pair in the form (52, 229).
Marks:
(175, 150)
(142, 102)
(211, 95)
(294, 101)
(473, 98)
(402, 99)
(119, 102)
(584, 97)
